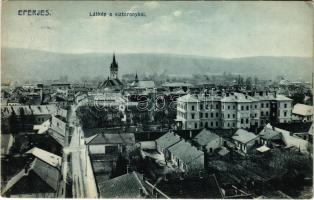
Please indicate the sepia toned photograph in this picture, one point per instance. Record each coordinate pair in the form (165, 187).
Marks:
(157, 99)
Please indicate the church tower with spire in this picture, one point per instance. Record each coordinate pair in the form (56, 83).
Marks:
(114, 68)
(113, 81)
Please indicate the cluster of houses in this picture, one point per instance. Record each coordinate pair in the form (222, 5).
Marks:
(213, 146)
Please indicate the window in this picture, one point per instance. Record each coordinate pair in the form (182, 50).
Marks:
(262, 113)
(206, 124)
(266, 113)
(285, 105)
(192, 115)
(247, 108)
(285, 113)
(217, 106)
(211, 114)
(217, 124)
(255, 106)
(228, 116)
(201, 115)
(228, 107)
(201, 106)
(255, 115)
(242, 107)
(262, 105)
(233, 124)
(206, 115)
(233, 115)
(195, 125)
(241, 121)
(201, 124)
(211, 124)
(233, 107)
(192, 107)
(266, 105)
(228, 125)
(247, 121)
(216, 114)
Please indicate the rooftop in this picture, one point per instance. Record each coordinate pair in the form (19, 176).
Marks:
(188, 98)
(123, 138)
(302, 109)
(204, 137)
(185, 151)
(167, 140)
(129, 186)
(243, 136)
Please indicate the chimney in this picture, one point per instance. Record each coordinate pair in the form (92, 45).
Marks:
(275, 94)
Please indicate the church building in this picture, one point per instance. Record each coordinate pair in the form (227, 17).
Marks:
(112, 82)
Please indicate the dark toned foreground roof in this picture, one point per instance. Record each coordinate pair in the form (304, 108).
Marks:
(191, 188)
(129, 185)
(39, 177)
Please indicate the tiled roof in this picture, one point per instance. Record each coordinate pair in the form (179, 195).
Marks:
(167, 140)
(204, 137)
(111, 83)
(192, 188)
(281, 97)
(268, 133)
(292, 141)
(46, 172)
(123, 138)
(125, 186)
(28, 110)
(238, 97)
(243, 136)
(185, 151)
(188, 98)
(144, 84)
(302, 109)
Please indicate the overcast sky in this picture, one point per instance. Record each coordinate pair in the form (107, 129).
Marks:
(214, 29)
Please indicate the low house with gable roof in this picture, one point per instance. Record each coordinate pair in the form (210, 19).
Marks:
(270, 137)
(302, 113)
(183, 155)
(245, 140)
(37, 179)
(207, 140)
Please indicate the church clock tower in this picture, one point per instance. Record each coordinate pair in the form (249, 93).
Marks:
(114, 68)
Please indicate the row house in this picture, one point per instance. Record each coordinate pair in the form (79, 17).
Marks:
(232, 110)
(187, 159)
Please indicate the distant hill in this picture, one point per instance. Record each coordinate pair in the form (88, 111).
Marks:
(26, 64)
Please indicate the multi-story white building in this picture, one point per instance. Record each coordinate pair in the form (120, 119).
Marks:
(232, 110)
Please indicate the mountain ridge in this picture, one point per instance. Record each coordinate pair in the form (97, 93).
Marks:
(23, 63)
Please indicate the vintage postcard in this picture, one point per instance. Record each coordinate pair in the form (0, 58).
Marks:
(157, 99)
